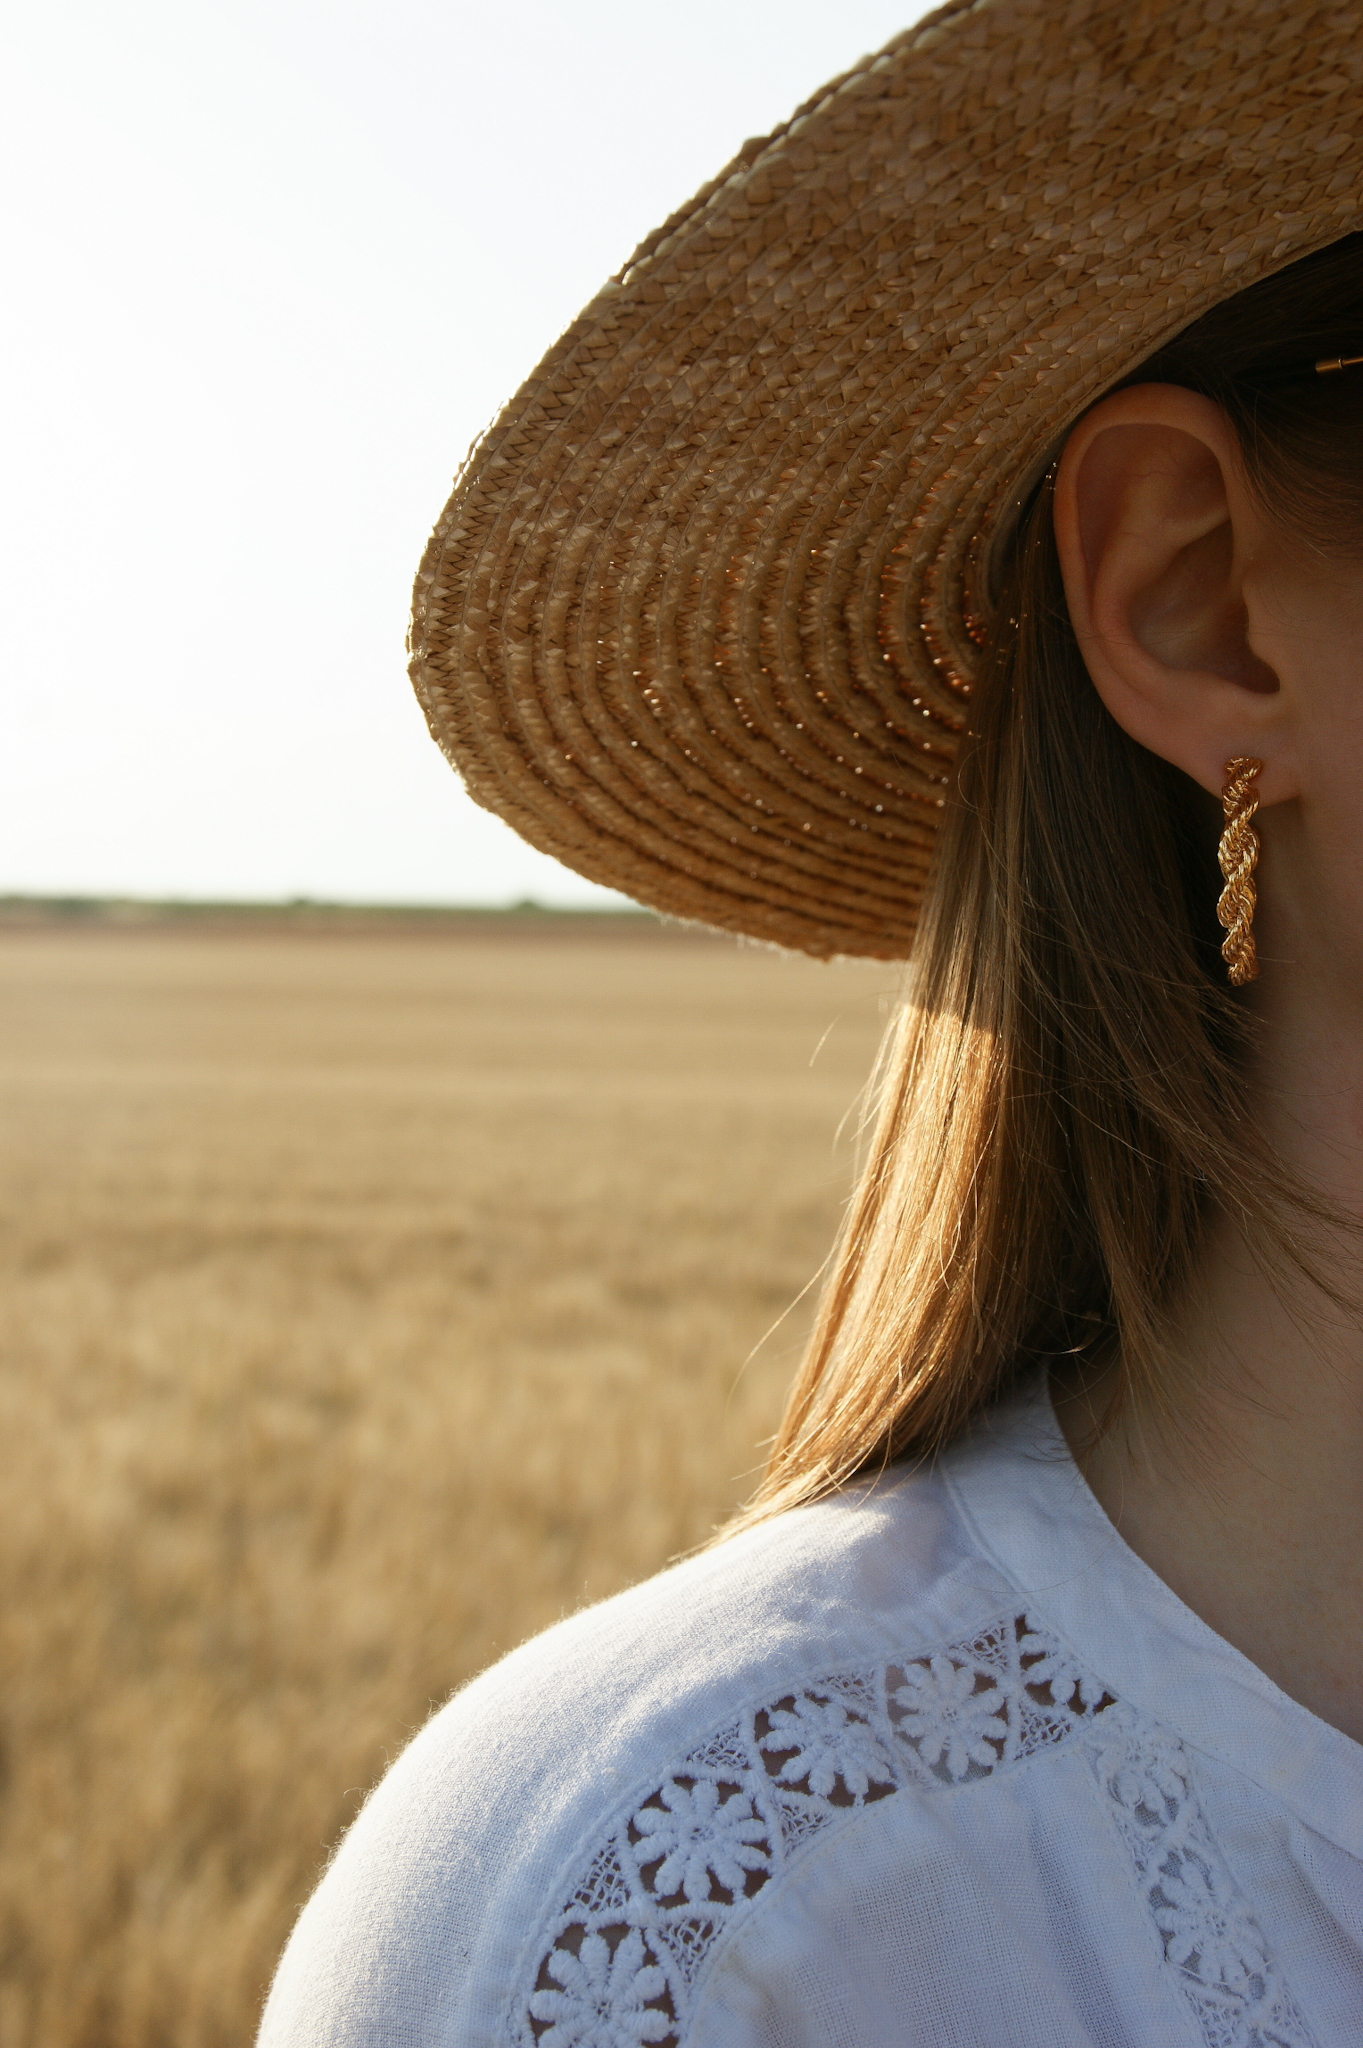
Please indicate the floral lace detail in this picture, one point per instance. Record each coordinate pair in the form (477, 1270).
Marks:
(608, 1995)
(622, 1960)
(1211, 1939)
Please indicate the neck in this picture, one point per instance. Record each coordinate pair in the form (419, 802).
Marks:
(1249, 1504)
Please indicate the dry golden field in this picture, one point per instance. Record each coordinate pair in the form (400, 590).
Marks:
(372, 1296)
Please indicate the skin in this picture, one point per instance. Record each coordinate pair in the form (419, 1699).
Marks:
(1210, 632)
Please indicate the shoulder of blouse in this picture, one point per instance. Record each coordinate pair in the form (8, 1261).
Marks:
(584, 1744)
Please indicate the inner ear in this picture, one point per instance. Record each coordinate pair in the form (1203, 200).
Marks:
(1157, 526)
(1192, 614)
(1145, 466)
(1171, 604)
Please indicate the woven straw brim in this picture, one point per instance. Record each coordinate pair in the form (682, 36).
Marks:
(702, 616)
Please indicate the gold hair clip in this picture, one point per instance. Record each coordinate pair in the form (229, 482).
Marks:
(1329, 363)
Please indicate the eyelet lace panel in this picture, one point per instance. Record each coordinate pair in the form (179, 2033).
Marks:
(1211, 1939)
(621, 1961)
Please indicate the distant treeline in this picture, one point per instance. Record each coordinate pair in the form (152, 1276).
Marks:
(310, 914)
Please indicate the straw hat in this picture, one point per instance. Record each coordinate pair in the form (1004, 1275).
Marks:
(702, 614)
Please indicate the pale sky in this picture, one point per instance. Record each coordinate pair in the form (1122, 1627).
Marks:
(269, 267)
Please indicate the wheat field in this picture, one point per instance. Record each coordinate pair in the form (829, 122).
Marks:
(373, 1295)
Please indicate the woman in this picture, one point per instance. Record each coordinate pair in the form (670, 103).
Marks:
(925, 531)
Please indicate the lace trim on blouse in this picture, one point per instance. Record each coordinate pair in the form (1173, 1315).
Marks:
(620, 1964)
(1210, 1936)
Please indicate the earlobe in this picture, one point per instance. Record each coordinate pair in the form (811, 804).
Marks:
(1154, 526)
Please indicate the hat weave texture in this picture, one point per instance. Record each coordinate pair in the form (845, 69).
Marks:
(702, 615)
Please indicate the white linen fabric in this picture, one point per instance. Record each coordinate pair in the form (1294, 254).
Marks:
(939, 1761)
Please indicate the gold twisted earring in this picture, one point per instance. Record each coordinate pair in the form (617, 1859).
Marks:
(1238, 856)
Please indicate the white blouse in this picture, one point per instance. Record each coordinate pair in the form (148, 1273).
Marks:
(938, 1762)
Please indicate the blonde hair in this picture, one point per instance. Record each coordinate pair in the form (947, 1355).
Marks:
(1059, 1103)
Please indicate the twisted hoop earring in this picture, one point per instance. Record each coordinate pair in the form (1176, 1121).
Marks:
(1238, 856)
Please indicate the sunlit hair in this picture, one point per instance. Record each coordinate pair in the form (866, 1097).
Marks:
(1058, 1105)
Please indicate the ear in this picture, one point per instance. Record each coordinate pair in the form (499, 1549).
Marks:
(1158, 533)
